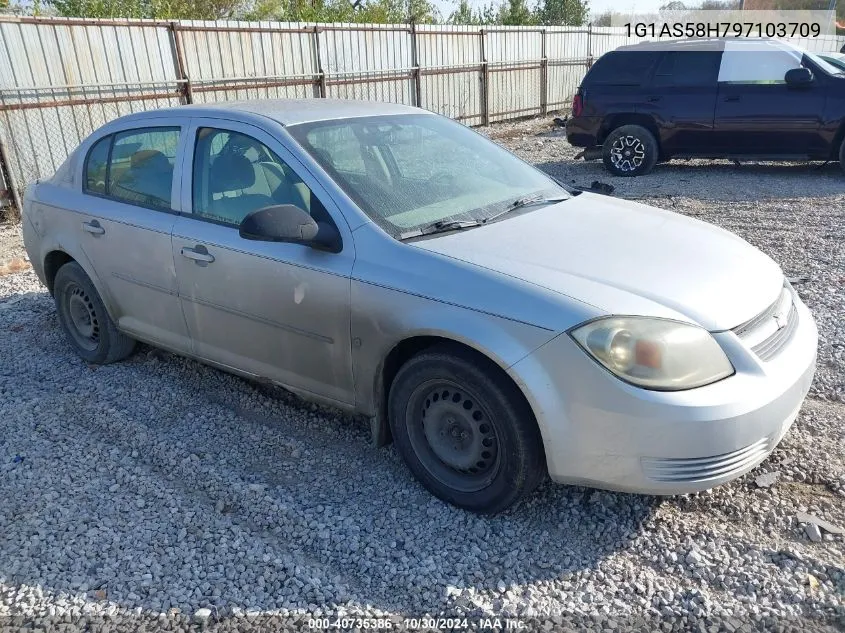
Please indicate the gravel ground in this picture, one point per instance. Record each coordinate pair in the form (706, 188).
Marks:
(161, 493)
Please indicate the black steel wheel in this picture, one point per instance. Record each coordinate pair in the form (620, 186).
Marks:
(84, 319)
(464, 430)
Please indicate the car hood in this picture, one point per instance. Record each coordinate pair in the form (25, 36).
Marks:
(625, 258)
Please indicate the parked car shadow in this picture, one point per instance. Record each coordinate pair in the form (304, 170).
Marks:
(711, 180)
(160, 483)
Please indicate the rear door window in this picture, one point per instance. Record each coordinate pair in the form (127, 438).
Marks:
(628, 68)
(688, 68)
(141, 165)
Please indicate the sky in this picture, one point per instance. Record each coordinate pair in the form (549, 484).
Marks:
(596, 6)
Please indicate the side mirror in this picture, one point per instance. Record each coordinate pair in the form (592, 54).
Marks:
(289, 223)
(798, 77)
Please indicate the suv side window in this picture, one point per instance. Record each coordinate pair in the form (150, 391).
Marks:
(622, 68)
(688, 68)
(757, 66)
(235, 174)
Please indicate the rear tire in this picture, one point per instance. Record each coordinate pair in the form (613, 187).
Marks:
(630, 150)
(465, 431)
(84, 319)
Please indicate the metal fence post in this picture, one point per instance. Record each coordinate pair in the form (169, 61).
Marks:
(319, 60)
(181, 69)
(485, 81)
(589, 45)
(8, 176)
(544, 75)
(415, 63)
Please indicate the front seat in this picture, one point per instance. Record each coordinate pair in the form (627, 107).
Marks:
(229, 176)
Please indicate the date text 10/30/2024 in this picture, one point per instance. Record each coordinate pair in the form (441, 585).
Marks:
(413, 624)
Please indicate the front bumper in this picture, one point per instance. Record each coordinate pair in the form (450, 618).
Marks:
(602, 432)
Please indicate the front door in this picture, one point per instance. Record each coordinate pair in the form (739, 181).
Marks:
(127, 215)
(757, 113)
(273, 310)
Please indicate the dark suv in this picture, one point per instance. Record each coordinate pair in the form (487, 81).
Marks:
(725, 98)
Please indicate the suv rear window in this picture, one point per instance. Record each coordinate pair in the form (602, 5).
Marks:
(628, 68)
(688, 68)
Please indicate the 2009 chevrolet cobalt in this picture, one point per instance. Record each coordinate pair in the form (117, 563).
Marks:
(396, 264)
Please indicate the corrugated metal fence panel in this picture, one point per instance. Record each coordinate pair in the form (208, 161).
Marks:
(101, 68)
(568, 52)
(515, 84)
(450, 71)
(371, 62)
(227, 61)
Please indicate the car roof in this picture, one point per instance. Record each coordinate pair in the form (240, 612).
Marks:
(285, 111)
(698, 44)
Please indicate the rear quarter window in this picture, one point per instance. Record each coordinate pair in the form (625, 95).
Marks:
(617, 68)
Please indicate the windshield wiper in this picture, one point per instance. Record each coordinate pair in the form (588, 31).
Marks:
(441, 226)
(527, 201)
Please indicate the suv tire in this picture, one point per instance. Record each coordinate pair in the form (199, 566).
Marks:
(84, 319)
(630, 150)
(464, 430)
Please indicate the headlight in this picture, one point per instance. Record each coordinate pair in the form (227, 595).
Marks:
(655, 353)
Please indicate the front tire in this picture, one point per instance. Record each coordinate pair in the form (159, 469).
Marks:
(465, 431)
(630, 150)
(84, 319)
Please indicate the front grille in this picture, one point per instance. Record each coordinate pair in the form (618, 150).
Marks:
(769, 331)
(694, 469)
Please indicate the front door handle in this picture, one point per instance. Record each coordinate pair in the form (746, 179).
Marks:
(93, 227)
(653, 99)
(732, 98)
(198, 254)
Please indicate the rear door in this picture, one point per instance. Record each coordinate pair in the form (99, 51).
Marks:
(128, 207)
(682, 100)
(757, 113)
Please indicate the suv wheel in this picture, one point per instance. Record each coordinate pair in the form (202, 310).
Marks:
(83, 317)
(630, 150)
(464, 431)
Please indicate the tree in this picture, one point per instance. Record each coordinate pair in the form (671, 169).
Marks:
(563, 12)
(156, 9)
(603, 19)
(516, 13)
(675, 5)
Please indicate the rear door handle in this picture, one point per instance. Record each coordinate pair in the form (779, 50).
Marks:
(653, 99)
(732, 98)
(198, 254)
(93, 227)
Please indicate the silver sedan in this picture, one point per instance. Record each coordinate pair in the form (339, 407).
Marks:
(495, 325)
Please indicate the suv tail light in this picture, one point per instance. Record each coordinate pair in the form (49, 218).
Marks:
(577, 105)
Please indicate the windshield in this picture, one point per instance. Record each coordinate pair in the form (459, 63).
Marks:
(410, 171)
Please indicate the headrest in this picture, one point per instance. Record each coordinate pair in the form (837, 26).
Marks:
(230, 172)
(149, 159)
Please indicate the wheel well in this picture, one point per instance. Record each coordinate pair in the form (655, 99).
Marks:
(618, 120)
(402, 353)
(52, 263)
